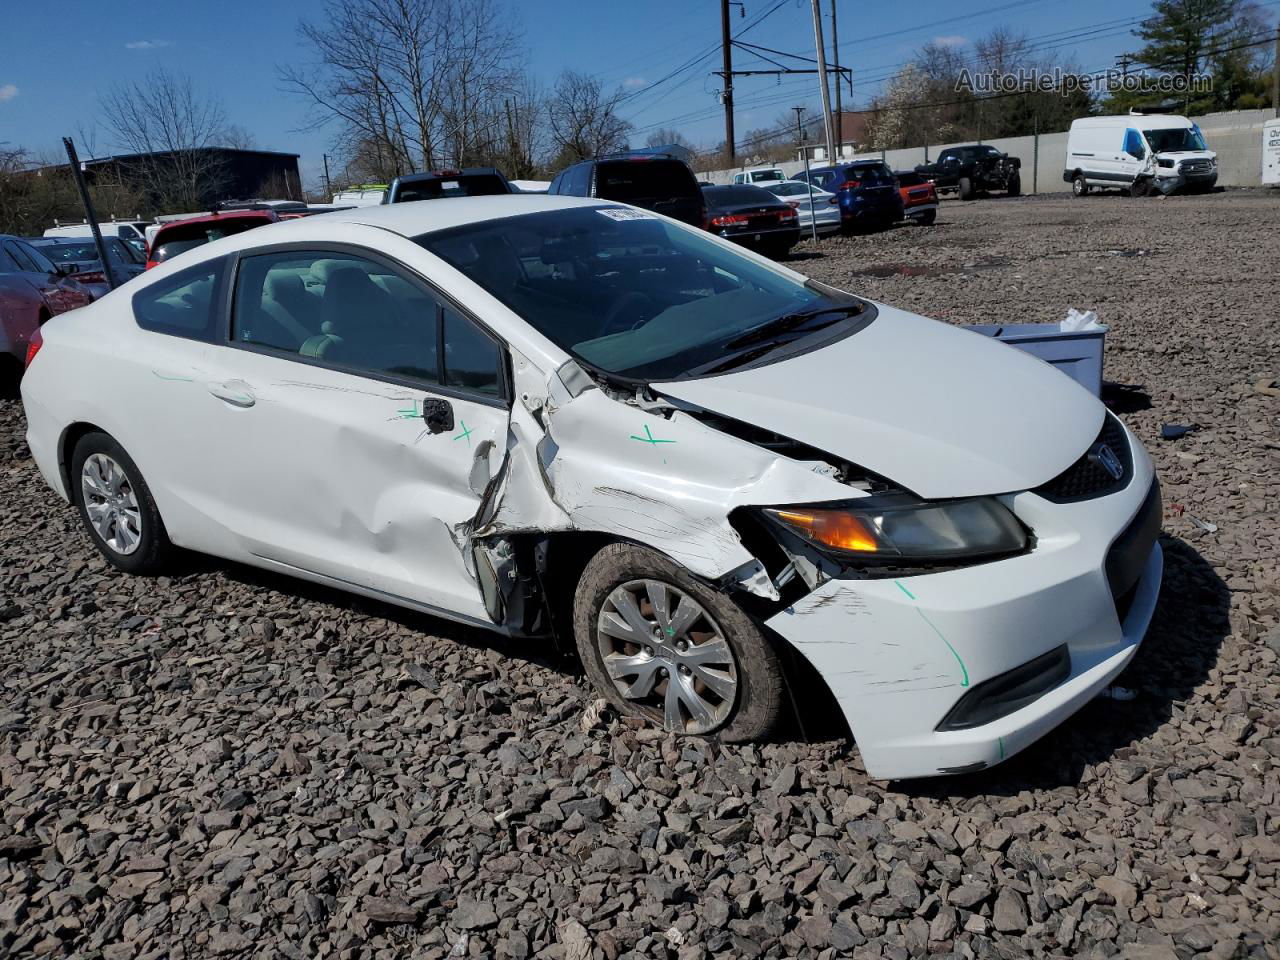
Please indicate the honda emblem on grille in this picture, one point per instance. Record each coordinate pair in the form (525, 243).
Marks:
(1106, 458)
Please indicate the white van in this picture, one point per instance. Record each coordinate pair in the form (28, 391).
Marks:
(760, 175)
(130, 231)
(1140, 153)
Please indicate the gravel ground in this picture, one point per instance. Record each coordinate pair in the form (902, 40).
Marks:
(226, 763)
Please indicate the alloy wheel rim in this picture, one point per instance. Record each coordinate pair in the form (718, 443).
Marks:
(111, 504)
(667, 654)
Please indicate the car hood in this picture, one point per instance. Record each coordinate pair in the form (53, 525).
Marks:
(940, 410)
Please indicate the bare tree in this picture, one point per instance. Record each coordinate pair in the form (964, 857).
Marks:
(667, 136)
(167, 125)
(583, 118)
(411, 83)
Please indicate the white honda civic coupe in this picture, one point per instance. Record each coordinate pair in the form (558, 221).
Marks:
(559, 416)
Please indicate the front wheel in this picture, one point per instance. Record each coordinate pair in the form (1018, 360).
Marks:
(1015, 186)
(658, 643)
(1140, 187)
(927, 218)
(116, 506)
(966, 188)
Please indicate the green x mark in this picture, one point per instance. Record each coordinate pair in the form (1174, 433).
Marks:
(411, 413)
(466, 432)
(648, 437)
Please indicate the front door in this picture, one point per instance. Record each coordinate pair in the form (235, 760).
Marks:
(365, 415)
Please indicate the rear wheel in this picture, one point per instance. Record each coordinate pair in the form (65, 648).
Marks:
(660, 644)
(966, 188)
(927, 218)
(116, 506)
(1080, 186)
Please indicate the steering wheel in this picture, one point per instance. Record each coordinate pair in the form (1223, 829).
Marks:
(628, 312)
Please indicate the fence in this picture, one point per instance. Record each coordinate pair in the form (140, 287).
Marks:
(1236, 137)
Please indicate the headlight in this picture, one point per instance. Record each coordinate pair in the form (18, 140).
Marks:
(893, 529)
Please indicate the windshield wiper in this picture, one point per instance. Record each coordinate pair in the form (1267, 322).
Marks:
(792, 321)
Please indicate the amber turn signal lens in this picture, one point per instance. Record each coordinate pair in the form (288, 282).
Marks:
(838, 529)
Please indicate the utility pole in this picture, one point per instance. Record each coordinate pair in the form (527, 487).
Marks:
(838, 121)
(822, 78)
(328, 187)
(1275, 77)
(727, 96)
(813, 217)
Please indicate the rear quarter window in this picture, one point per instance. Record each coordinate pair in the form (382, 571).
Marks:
(644, 180)
(185, 304)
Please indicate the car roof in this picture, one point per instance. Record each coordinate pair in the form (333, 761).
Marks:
(267, 215)
(414, 219)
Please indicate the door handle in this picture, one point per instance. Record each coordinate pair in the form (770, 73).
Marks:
(438, 414)
(235, 392)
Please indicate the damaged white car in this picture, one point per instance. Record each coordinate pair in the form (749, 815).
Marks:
(548, 415)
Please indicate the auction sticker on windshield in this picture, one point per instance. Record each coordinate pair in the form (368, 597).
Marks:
(616, 213)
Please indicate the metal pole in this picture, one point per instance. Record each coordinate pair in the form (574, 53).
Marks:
(822, 77)
(1275, 77)
(727, 97)
(328, 186)
(837, 121)
(813, 217)
(1035, 157)
(90, 217)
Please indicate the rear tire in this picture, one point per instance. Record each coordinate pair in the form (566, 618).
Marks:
(927, 219)
(742, 701)
(966, 188)
(116, 506)
(1080, 186)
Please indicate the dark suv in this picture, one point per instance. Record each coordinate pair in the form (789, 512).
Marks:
(436, 184)
(865, 190)
(659, 183)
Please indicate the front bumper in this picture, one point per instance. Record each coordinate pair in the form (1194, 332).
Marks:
(899, 654)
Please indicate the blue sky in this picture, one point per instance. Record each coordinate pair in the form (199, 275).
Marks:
(55, 58)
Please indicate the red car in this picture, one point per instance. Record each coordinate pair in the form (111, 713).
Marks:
(180, 236)
(32, 289)
(919, 197)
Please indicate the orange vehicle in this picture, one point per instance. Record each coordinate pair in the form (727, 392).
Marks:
(919, 197)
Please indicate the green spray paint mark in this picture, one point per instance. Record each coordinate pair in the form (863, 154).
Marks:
(964, 672)
(412, 413)
(649, 438)
(466, 432)
(161, 376)
(1001, 742)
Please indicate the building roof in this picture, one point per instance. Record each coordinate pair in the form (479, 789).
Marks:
(115, 158)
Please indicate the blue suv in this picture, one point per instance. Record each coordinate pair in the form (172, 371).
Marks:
(866, 191)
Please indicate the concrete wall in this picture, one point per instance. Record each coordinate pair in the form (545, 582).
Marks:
(1236, 137)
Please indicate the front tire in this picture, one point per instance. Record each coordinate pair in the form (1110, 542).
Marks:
(926, 219)
(966, 188)
(116, 506)
(1015, 186)
(658, 643)
(1140, 187)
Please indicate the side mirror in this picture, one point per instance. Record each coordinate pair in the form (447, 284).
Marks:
(438, 414)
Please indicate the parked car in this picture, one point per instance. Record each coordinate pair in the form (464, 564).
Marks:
(867, 193)
(436, 184)
(32, 289)
(132, 232)
(180, 236)
(126, 262)
(761, 176)
(919, 198)
(700, 465)
(974, 169)
(1139, 153)
(654, 182)
(810, 204)
(753, 217)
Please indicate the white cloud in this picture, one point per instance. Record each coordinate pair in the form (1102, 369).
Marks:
(632, 82)
(950, 41)
(8, 91)
(146, 44)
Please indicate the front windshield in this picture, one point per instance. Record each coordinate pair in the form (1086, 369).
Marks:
(625, 291)
(1175, 140)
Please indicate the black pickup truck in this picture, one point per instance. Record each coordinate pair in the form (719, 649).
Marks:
(968, 170)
